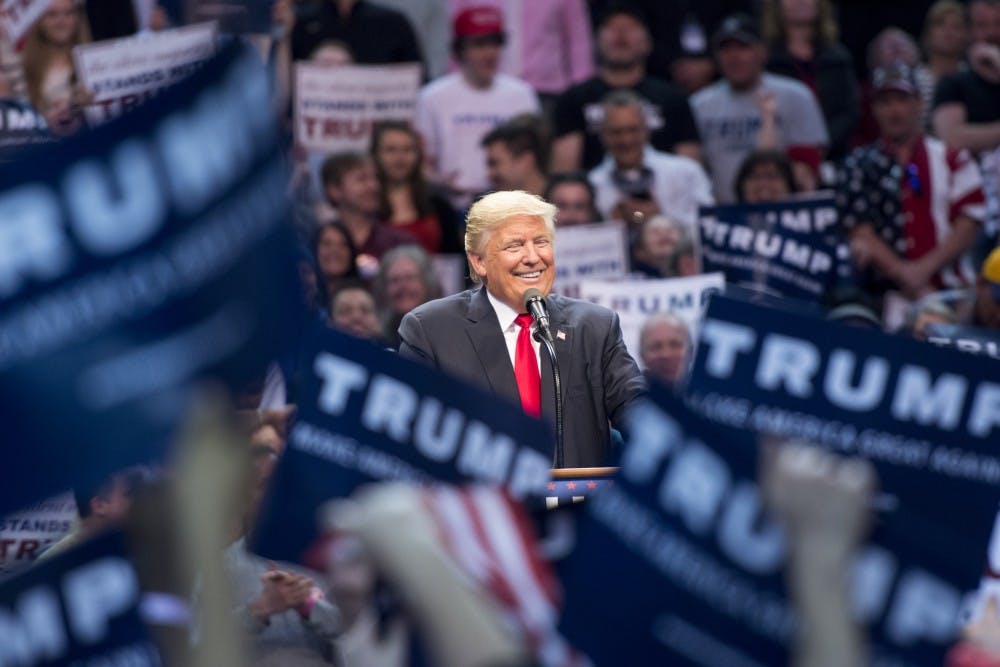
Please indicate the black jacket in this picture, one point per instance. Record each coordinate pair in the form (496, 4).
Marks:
(835, 86)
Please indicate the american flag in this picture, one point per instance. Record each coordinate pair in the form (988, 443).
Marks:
(488, 535)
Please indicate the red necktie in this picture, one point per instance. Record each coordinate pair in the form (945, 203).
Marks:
(529, 382)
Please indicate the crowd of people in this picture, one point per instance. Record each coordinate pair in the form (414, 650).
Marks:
(640, 111)
(753, 106)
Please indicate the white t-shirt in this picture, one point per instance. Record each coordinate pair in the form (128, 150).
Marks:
(729, 121)
(453, 118)
(679, 186)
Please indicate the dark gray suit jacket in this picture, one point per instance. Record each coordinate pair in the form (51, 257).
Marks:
(461, 335)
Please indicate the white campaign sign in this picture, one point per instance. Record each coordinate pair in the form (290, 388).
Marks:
(589, 252)
(25, 534)
(636, 300)
(335, 107)
(17, 16)
(121, 73)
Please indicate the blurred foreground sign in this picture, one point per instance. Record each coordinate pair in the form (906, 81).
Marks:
(679, 563)
(917, 411)
(233, 16)
(367, 415)
(79, 608)
(134, 259)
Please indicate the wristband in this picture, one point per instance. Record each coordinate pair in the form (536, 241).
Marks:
(305, 609)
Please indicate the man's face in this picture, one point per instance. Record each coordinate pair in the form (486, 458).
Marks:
(987, 308)
(897, 114)
(480, 57)
(985, 22)
(404, 288)
(624, 134)
(741, 64)
(574, 204)
(505, 170)
(354, 312)
(764, 183)
(659, 239)
(664, 351)
(113, 506)
(622, 41)
(518, 255)
(357, 191)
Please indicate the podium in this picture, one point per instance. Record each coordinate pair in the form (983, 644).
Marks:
(574, 485)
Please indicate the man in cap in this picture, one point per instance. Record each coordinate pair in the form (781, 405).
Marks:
(455, 112)
(729, 112)
(911, 205)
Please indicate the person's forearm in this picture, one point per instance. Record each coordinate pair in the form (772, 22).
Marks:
(962, 236)
(880, 254)
(972, 136)
(767, 135)
(690, 149)
(827, 636)
(567, 152)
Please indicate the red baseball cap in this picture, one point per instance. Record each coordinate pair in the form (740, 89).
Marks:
(478, 21)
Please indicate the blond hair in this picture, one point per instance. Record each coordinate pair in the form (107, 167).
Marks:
(825, 29)
(936, 15)
(494, 209)
(39, 53)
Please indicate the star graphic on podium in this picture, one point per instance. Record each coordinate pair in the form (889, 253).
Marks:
(570, 485)
(591, 484)
(552, 486)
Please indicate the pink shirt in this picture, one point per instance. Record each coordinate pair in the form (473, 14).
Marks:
(549, 42)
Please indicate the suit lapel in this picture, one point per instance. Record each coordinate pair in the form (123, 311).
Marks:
(562, 335)
(491, 348)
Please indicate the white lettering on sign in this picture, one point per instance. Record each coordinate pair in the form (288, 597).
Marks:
(791, 365)
(94, 594)
(117, 202)
(697, 488)
(439, 433)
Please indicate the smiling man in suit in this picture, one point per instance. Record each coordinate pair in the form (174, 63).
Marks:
(484, 336)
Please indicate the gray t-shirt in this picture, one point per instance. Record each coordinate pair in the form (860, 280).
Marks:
(728, 122)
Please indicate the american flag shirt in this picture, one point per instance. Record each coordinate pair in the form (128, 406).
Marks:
(913, 207)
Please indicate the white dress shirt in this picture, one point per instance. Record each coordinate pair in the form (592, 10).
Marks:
(506, 316)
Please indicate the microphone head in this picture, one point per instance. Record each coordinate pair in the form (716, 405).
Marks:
(531, 294)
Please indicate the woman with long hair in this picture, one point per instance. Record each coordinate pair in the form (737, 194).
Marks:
(336, 259)
(48, 64)
(945, 38)
(407, 201)
(802, 38)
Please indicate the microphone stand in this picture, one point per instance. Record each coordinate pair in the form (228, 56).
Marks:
(544, 336)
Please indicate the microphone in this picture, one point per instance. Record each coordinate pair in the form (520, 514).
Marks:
(534, 303)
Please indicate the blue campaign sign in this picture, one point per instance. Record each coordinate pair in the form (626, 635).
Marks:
(79, 608)
(20, 125)
(134, 259)
(965, 338)
(233, 16)
(788, 248)
(365, 414)
(927, 417)
(678, 563)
